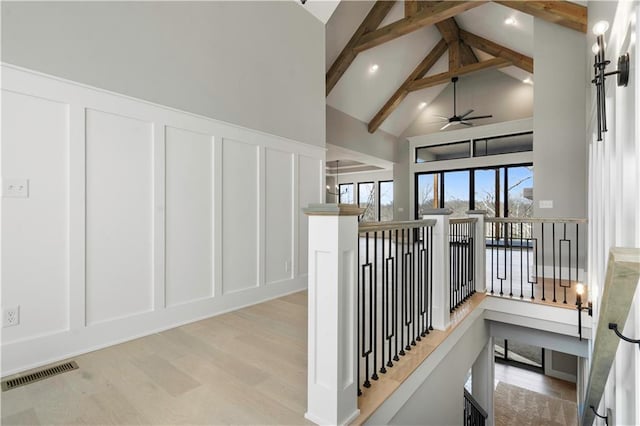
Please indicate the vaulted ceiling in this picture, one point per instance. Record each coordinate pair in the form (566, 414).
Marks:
(386, 61)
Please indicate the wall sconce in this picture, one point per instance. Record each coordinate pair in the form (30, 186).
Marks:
(599, 66)
(613, 326)
(588, 308)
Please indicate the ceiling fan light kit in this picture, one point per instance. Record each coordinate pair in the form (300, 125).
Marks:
(462, 118)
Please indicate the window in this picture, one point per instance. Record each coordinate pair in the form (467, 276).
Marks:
(520, 191)
(520, 142)
(346, 193)
(385, 200)
(427, 190)
(366, 200)
(456, 192)
(449, 151)
(504, 191)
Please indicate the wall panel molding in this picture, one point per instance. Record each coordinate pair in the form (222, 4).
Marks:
(146, 151)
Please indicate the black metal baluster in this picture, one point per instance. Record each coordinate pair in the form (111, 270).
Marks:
(504, 233)
(577, 250)
(493, 245)
(390, 291)
(542, 253)
(397, 267)
(553, 254)
(521, 278)
(430, 279)
(366, 352)
(374, 307)
(403, 311)
(385, 310)
(510, 259)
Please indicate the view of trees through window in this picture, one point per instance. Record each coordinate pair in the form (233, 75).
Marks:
(346, 193)
(366, 200)
(385, 200)
(502, 191)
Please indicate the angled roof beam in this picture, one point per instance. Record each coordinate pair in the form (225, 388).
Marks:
(445, 77)
(428, 15)
(563, 13)
(459, 52)
(497, 50)
(411, 7)
(402, 92)
(348, 54)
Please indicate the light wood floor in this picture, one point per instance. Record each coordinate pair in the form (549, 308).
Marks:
(244, 367)
(535, 382)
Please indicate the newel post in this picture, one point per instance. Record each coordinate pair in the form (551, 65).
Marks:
(332, 388)
(480, 260)
(441, 277)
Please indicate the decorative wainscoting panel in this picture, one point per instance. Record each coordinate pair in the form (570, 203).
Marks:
(139, 217)
(119, 216)
(189, 216)
(35, 232)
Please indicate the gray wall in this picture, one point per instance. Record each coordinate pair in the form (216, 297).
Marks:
(347, 132)
(488, 92)
(401, 180)
(439, 401)
(559, 144)
(255, 64)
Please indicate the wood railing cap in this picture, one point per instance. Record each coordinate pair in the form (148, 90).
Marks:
(482, 212)
(443, 212)
(333, 210)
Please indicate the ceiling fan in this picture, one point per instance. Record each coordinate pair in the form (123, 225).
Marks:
(462, 118)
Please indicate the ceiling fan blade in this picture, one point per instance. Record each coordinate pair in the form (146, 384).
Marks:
(478, 117)
(447, 125)
(441, 116)
(466, 113)
(466, 123)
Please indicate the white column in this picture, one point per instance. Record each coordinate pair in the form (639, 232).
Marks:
(480, 250)
(482, 379)
(441, 278)
(332, 388)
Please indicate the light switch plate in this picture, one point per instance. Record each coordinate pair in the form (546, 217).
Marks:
(15, 188)
(546, 204)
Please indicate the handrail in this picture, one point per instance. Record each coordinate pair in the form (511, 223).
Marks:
(475, 403)
(388, 226)
(623, 272)
(534, 220)
(463, 220)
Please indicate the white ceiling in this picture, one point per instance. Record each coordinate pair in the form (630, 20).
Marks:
(361, 93)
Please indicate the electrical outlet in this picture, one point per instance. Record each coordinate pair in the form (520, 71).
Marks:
(10, 316)
(287, 266)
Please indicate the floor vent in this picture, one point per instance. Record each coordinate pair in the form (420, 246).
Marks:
(38, 375)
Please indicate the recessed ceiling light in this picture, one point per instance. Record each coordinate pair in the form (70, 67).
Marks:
(510, 21)
(527, 80)
(422, 105)
(373, 68)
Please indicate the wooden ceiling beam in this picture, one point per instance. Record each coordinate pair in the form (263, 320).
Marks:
(445, 77)
(497, 50)
(567, 14)
(423, 67)
(373, 19)
(411, 7)
(459, 52)
(428, 15)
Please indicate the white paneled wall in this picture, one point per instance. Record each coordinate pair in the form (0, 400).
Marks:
(139, 217)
